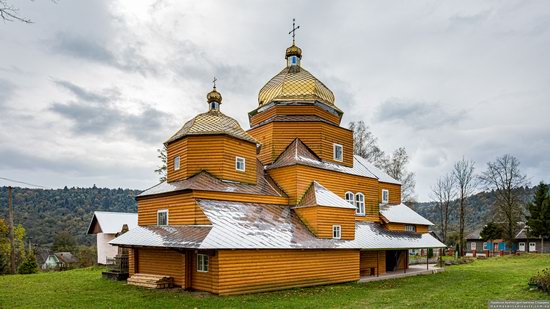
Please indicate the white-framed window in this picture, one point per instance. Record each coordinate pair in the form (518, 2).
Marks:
(213, 105)
(485, 246)
(385, 196)
(338, 152)
(202, 263)
(410, 228)
(350, 198)
(360, 203)
(521, 246)
(336, 231)
(240, 164)
(532, 246)
(473, 246)
(162, 217)
(177, 163)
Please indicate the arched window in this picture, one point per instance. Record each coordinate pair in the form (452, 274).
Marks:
(350, 198)
(360, 204)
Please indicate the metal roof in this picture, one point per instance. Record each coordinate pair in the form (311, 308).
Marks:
(317, 195)
(211, 123)
(237, 225)
(402, 214)
(381, 175)
(298, 153)
(204, 181)
(112, 222)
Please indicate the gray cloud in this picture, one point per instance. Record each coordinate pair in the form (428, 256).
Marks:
(6, 91)
(417, 114)
(98, 113)
(127, 58)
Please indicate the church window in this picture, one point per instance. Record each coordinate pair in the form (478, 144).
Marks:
(338, 152)
(202, 263)
(410, 228)
(214, 106)
(385, 196)
(177, 163)
(350, 198)
(240, 164)
(336, 231)
(294, 59)
(360, 204)
(162, 217)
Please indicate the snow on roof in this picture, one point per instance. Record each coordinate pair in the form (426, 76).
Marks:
(237, 225)
(317, 195)
(381, 175)
(402, 214)
(112, 222)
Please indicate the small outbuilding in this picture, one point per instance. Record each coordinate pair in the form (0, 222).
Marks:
(105, 225)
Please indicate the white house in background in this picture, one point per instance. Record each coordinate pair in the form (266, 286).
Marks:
(105, 225)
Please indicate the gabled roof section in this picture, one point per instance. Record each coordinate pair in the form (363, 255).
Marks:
(317, 195)
(204, 181)
(212, 122)
(237, 225)
(297, 153)
(112, 222)
(381, 175)
(402, 214)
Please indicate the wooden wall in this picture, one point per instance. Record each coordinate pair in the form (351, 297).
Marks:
(213, 153)
(162, 262)
(206, 281)
(369, 259)
(247, 271)
(401, 227)
(294, 110)
(320, 219)
(395, 192)
(182, 209)
(318, 136)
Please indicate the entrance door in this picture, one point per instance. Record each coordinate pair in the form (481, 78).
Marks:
(392, 256)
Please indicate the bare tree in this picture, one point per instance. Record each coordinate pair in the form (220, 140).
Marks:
(161, 170)
(464, 179)
(396, 166)
(504, 176)
(444, 193)
(365, 144)
(10, 13)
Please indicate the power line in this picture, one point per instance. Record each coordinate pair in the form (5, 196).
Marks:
(22, 182)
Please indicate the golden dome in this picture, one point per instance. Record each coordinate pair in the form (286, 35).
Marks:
(214, 96)
(294, 83)
(293, 51)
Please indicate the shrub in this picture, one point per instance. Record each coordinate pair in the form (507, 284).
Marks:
(29, 265)
(541, 281)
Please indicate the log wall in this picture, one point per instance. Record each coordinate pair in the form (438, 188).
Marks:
(294, 110)
(162, 262)
(369, 260)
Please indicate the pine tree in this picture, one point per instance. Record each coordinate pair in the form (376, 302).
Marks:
(539, 212)
(29, 265)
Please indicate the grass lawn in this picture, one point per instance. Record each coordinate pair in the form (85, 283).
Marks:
(460, 286)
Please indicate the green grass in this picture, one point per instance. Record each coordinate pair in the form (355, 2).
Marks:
(461, 286)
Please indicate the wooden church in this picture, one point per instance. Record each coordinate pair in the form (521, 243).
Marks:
(284, 204)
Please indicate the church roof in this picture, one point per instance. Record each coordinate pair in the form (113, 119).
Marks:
(298, 153)
(317, 195)
(237, 225)
(295, 83)
(204, 181)
(381, 175)
(402, 214)
(212, 122)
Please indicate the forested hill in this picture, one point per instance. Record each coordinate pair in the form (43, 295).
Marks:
(44, 213)
(479, 210)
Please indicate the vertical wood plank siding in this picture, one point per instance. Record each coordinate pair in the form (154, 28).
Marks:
(369, 260)
(213, 153)
(239, 270)
(294, 110)
(318, 136)
(162, 262)
(395, 192)
(320, 219)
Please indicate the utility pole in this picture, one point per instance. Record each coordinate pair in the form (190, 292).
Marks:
(12, 243)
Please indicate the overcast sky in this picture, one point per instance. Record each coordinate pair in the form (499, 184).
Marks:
(91, 89)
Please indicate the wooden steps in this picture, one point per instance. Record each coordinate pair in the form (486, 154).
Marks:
(151, 281)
